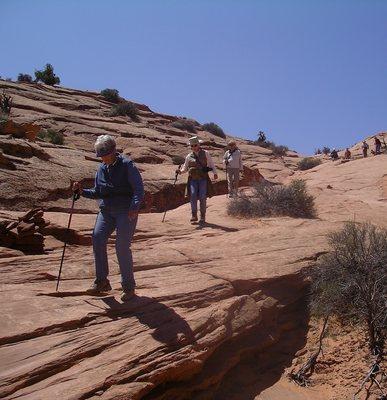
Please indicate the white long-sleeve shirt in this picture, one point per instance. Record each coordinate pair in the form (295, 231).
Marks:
(234, 159)
(210, 163)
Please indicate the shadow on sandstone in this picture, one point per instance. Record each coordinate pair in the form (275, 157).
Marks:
(168, 326)
(216, 226)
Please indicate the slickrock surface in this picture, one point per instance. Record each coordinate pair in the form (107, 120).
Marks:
(210, 301)
(81, 116)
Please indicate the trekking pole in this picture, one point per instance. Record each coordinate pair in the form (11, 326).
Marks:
(227, 194)
(76, 196)
(174, 183)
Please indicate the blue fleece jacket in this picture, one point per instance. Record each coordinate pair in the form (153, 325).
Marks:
(118, 187)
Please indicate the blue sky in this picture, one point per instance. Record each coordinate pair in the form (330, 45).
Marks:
(309, 73)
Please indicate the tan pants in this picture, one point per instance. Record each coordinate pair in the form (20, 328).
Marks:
(233, 181)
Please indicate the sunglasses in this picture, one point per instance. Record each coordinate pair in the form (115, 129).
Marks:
(194, 145)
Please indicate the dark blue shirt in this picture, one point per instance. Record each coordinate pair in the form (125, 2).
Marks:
(118, 186)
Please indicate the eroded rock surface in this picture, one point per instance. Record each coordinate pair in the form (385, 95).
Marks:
(208, 299)
(153, 143)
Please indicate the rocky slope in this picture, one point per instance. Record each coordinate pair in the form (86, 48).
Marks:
(81, 116)
(220, 312)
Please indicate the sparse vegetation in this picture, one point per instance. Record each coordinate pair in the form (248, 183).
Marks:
(350, 282)
(184, 124)
(51, 136)
(214, 129)
(278, 150)
(275, 200)
(47, 76)
(24, 78)
(111, 95)
(5, 103)
(127, 109)
(308, 163)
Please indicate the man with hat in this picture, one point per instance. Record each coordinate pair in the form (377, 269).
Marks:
(233, 160)
(198, 163)
(119, 191)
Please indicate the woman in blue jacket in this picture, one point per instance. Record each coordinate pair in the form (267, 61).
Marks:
(120, 191)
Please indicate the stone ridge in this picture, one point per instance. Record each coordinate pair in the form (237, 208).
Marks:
(153, 143)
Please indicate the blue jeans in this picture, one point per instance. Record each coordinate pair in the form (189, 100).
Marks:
(106, 223)
(198, 190)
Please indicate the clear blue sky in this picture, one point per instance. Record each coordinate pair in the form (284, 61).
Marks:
(309, 73)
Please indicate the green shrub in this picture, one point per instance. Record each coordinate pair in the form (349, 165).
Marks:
(51, 136)
(127, 109)
(24, 78)
(278, 150)
(184, 124)
(350, 281)
(5, 103)
(214, 129)
(308, 163)
(274, 200)
(111, 95)
(47, 76)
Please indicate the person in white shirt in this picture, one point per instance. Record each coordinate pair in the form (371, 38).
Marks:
(198, 163)
(233, 160)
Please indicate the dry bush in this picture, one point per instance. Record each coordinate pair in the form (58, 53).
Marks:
(5, 104)
(308, 163)
(184, 124)
(111, 95)
(214, 129)
(24, 78)
(51, 136)
(350, 281)
(275, 200)
(127, 109)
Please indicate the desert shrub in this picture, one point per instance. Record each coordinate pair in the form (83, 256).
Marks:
(278, 150)
(317, 151)
(111, 95)
(261, 137)
(127, 109)
(51, 136)
(47, 76)
(326, 150)
(275, 200)
(188, 125)
(178, 160)
(350, 281)
(214, 129)
(24, 78)
(308, 163)
(5, 103)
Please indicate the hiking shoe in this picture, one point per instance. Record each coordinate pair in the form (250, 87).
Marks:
(99, 287)
(202, 220)
(127, 295)
(194, 218)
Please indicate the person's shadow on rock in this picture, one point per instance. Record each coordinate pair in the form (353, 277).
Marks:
(168, 326)
(216, 226)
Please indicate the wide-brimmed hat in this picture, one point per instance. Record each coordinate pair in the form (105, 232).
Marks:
(194, 140)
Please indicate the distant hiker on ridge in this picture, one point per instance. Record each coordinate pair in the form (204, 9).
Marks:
(119, 189)
(378, 145)
(233, 160)
(334, 156)
(365, 148)
(347, 154)
(198, 163)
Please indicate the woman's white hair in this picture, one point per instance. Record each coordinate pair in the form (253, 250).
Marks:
(104, 145)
